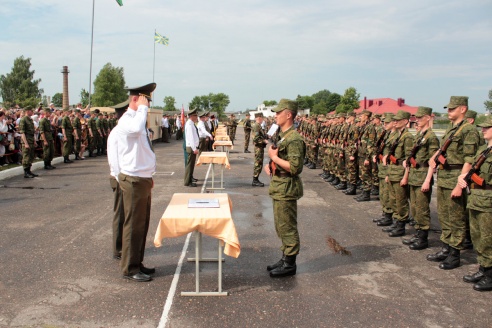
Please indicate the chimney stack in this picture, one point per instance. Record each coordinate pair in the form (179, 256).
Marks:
(65, 72)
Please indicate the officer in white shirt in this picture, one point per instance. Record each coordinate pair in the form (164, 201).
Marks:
(203, 134)
(165, 128)
(192, 142)
(133, 162)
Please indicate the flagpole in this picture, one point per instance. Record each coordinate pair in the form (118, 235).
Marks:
(92, 45)
(153, 68)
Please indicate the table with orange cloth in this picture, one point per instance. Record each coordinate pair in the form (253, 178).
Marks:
(224, 144)
(224, 137)
(213, 158)
(179, 219)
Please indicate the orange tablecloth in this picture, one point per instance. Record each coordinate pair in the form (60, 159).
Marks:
(220, 143)
(178, 220)
(222, 138)
(212, 157)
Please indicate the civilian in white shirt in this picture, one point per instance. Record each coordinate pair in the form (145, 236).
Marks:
(165, 128)
(203, 134)
(133, 162)
(192, 142)
(179, 129)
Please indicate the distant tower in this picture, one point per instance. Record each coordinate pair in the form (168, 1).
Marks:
(65, 72)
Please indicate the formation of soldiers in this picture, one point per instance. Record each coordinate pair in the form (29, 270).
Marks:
(379, 155)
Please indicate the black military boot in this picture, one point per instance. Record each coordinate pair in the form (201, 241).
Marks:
(341, 186)
(276, 264)
(467, 243)
(485, 284)
(47, 165)
(452, 261)
(288, 267)
(306, 161)
(52, 167)
(67, 160)
(390, 227)
(422, 242)
(364, 197)
(386, 221)
(351, 190)
(411, 221)
(257, 183)
(30, 172)
(77, 158)
(475, 277)
(439, 256)
(399, 230)
(411, 240)
(329, 178)
(27, 175)
(91, 154)
(311, 165)
(379, 219)
(375, 191)
(335, 181)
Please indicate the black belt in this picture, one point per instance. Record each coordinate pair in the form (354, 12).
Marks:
(484, 187)
(448, 167)
(282, 174)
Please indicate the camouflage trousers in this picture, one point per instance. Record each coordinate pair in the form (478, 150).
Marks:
(351, 168)
(374, 174)
(91, 143)
(419, 206)
(330, 160)
(341, 173)
(481, 234)
(67, 146)
(247, 135)
(232, 133)
(28, 155)
(398, 199)
(259, 155)
(78, 145)
(49, 151)
(285, 218)
(326, 159)
(365, 174)
(452, 217)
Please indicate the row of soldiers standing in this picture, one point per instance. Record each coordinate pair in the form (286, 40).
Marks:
(399, 167)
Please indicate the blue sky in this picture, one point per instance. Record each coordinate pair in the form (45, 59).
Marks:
(252, 50)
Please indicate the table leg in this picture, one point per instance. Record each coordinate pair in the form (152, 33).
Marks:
(198, 255)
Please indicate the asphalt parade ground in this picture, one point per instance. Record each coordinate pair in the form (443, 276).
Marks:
(57, 268)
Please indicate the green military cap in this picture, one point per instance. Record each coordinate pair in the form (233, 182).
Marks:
(422, 111)
(285, 104)
(258, 115)
(352, 113)
(25, 109)
(193, 112)
(46, 110)
(366, 112)
(378, 116)
(457, 101)
(144, 90)
(487, 123)
(122, 105)
(388, 117)
(471, 114)
(340, 115)
(401, 115)
(248, 114)
(96, 110)
(77, 111)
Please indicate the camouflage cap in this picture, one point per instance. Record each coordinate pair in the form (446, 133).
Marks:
(422, 111)
(388, 117)
(366, 112)
(258, 115)
(340, 115)
(285, 104)
(487, 123)
(401, 115)
(456, 101)
(376, 116)
(352, 113)
(77, 111)
(47, 110)
(471, 114)
(25, 109)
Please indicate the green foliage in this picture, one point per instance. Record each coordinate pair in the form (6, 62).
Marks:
(18, 86)
(321, 96)
(169, 104)
(488, 103)
(269, 102)
(109, 86)
(211, 102)
(333, 101)
(45, 101)
(84, 97)
(305, 102)
(349, 101)
(57, 99)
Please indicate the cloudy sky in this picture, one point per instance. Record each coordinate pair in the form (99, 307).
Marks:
(255, 50)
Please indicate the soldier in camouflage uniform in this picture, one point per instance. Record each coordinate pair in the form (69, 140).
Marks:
(247, 133)
(286, 187)
(260, 139)
(100, 134)
(67, 130)
(47, 137)
(340, 153)
(397, 180)
(451, 199)
(367, 140)
(350, 152)
(420, 178)
(232, 125)
(26, 129)
(471, 116)
(481, 213)
(378, 127)
(77, 130)
(92, 134)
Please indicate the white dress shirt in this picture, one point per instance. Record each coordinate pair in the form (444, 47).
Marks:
(202, 131)
(133, 153)
(178, 123)
(165, 122)
(191, 135)
(112, 149)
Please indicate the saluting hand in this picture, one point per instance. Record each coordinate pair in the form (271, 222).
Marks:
(142, 100)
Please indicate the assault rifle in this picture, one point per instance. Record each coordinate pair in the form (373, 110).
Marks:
(441, 154)
(411, 160)
(472, 175)
(380, 147)
(391, 156)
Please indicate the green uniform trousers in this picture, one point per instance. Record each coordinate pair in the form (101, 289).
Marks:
(259, 155)
(452, 217)
(190, 166)
(481, 234)
(49, 151)
(399, 200)
(28, 155)
(137, 199)
(247, 136)
(118, 216)
(285, 217)
(420, 208)
(365, 174)
(68, 146)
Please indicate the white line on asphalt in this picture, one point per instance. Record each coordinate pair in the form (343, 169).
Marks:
(174, 283)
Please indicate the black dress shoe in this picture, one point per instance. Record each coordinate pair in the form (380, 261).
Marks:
(147, 270)
(194, 180)
(138, 277)
(117, 256)
(191, 185)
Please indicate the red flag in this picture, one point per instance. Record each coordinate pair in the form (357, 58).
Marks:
(182, 117)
